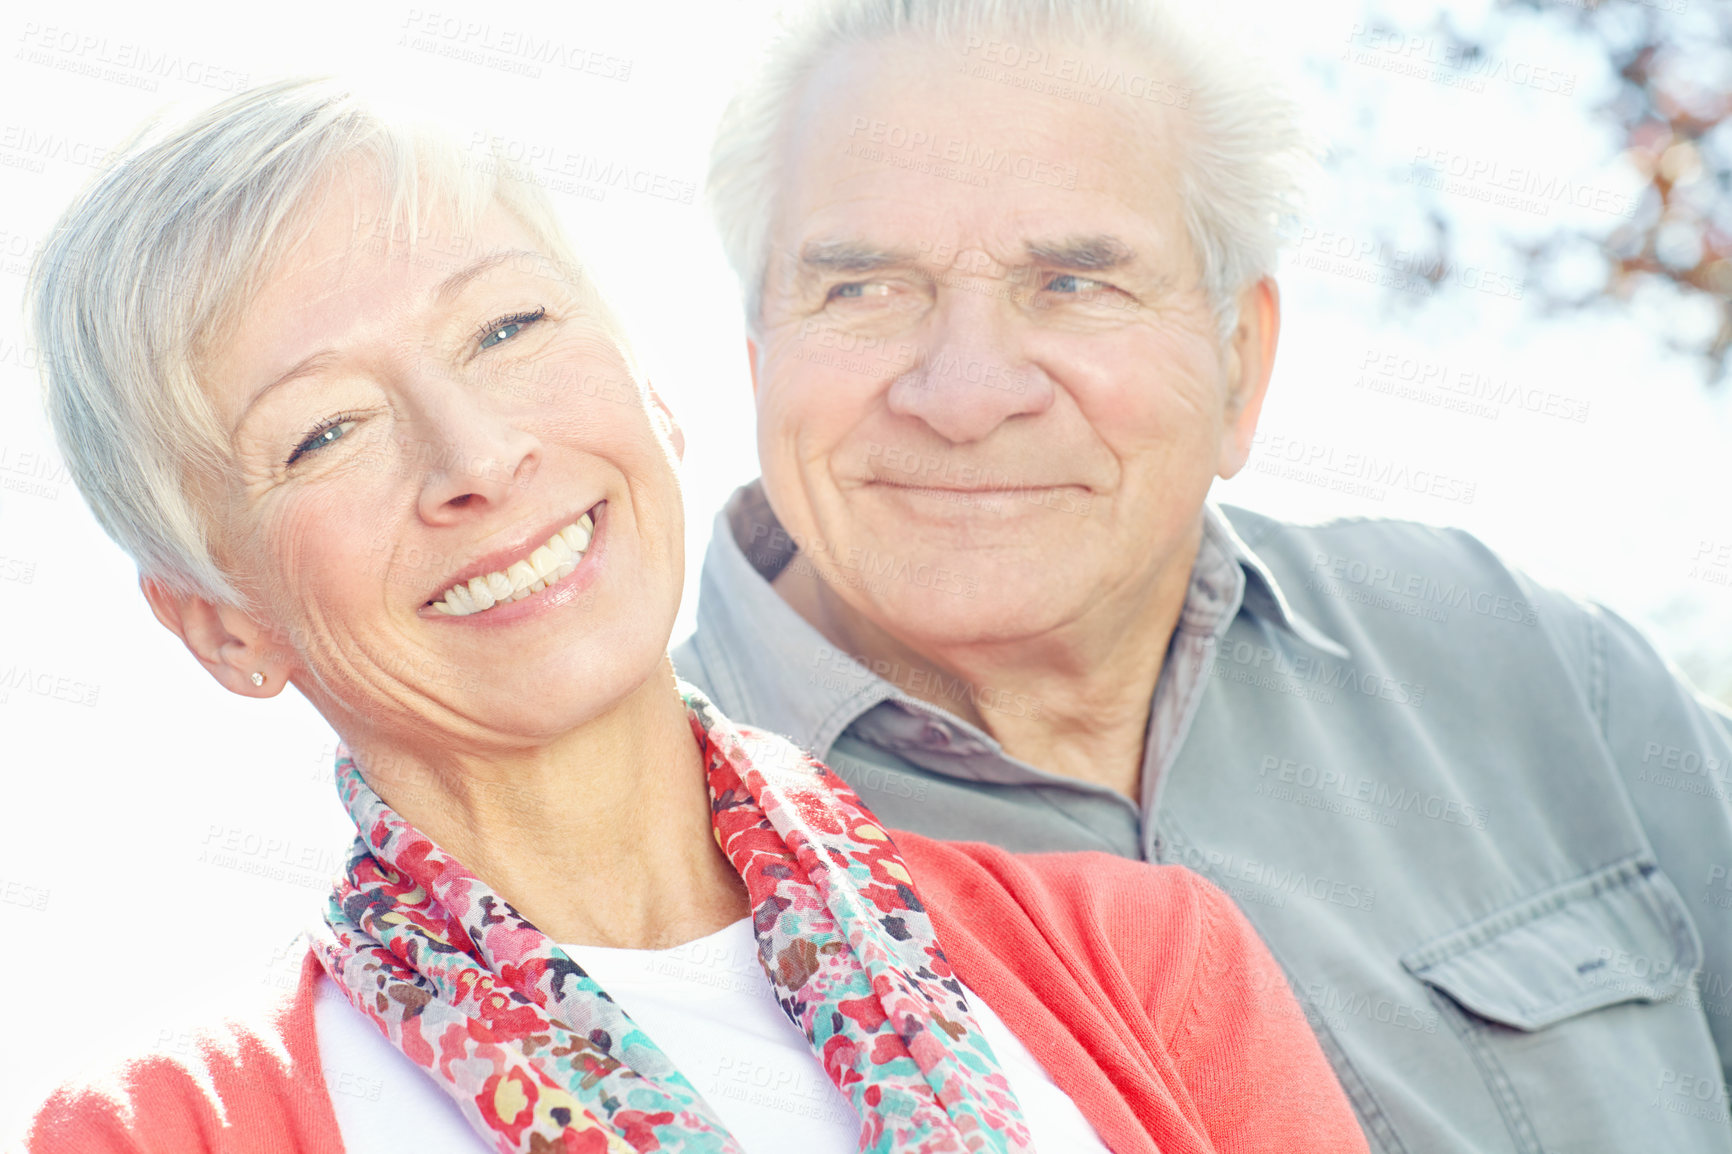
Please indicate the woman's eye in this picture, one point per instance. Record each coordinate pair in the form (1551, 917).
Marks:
(501, 334)
(321, 437)
(499, 331)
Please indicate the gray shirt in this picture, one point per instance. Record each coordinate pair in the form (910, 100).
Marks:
(1484, 828)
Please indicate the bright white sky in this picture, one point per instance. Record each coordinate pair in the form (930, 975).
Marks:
(139, 822)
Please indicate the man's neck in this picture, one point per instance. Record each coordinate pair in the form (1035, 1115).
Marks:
(1073, 700)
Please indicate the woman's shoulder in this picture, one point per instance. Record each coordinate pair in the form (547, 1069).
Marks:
(1151, 926)
(1118, 894)
(1130, 958)
(252, 1083)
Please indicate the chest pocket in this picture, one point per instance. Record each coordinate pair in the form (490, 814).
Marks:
(1621, 934)
(1579, 1008)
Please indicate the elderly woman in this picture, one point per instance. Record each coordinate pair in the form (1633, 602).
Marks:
(368, 429)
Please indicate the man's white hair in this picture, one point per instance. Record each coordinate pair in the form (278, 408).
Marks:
(1245, 155)
(151, 262)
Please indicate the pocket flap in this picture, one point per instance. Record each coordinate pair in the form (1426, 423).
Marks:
(1619, 934)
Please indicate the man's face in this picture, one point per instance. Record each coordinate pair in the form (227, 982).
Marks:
(990, 391)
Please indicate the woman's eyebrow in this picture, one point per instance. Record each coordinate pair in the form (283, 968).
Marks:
(454, 284)
(447, 288)
(306, 366)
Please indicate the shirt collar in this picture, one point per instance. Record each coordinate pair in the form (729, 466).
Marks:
(1260, 593)
(792, 680)
(789, 677)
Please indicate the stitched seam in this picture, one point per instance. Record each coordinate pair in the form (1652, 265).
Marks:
(1657, 897)
(1186, 1024)
(1536, 908)
(1685, 939)
(1598, 673)
(1497, 1081)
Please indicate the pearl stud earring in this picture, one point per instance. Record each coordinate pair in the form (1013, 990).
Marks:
(258, 679)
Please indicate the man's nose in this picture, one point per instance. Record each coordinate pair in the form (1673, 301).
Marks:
(972, 377)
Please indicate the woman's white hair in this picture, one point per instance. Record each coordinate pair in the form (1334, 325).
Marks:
(169, 244)
(1246, 156)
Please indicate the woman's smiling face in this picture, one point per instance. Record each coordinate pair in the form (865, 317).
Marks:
(461, 413)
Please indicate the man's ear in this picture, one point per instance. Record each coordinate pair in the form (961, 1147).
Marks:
(1250, 361)
(230, 645)
(664, 417)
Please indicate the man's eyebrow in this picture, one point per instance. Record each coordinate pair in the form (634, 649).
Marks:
(1085, 253)
(453, 284)
(851, 256)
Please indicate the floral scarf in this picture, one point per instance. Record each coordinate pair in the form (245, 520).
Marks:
(540, 1059)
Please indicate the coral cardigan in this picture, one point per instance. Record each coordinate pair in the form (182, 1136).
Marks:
(1141, 989)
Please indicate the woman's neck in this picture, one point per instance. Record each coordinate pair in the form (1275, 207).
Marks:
(600, 837)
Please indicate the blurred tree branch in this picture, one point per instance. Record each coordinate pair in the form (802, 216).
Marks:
(1670, 114)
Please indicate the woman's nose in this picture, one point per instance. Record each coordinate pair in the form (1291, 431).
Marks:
(471, 459)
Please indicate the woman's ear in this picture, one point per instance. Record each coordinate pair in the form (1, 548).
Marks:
(232, 647)
(664, 419)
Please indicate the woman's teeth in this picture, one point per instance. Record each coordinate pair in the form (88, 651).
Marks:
(549, 564)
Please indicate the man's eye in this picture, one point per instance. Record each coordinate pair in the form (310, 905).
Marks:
(855, 290)
(497, 332)
(1068, 283)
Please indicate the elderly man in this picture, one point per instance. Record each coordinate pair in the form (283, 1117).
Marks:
(1008, 279)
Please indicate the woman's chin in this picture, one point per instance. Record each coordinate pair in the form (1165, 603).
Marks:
(547, 700)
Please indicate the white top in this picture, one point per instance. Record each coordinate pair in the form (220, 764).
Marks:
(710, 1008)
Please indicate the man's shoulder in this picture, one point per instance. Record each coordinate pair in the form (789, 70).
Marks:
(1361, 540)
(1407, 576)
(1422, 593)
